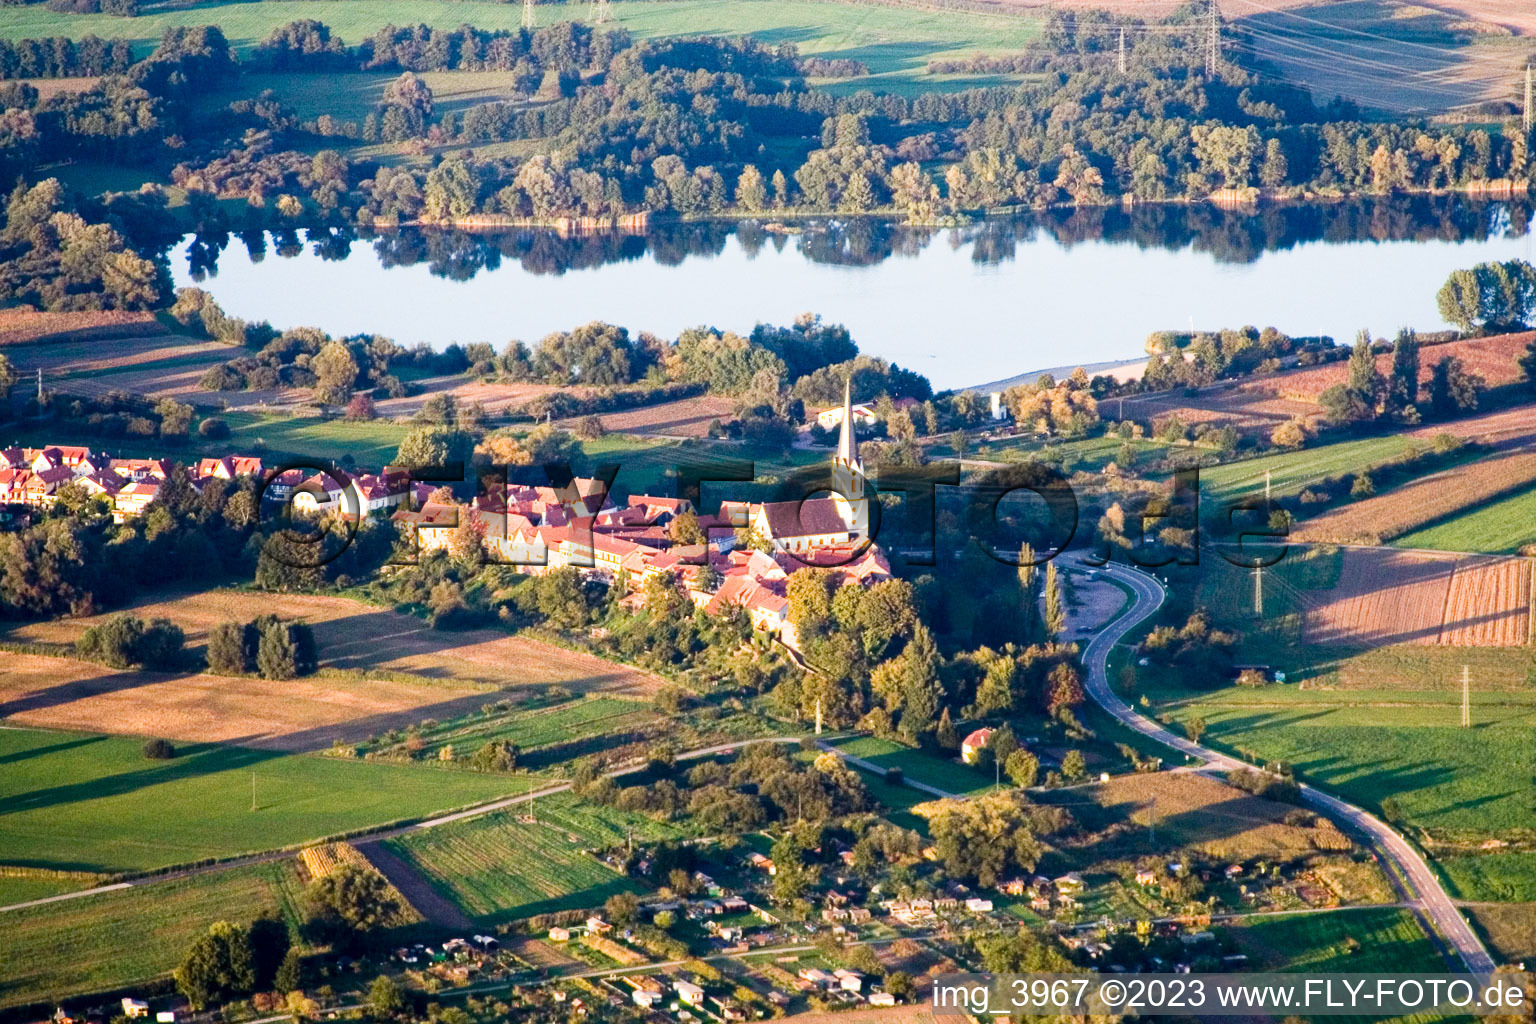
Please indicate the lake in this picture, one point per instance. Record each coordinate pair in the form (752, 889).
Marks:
(963, 305)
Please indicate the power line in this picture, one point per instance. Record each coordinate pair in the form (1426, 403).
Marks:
(1345, 28)
(1213, 41)
(1394, 70)
(1530, 116)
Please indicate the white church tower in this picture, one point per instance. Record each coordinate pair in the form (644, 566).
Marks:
(848, 472)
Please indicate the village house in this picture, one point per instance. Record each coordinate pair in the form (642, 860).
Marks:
(139, 470)
(229, 467)
(1070, 884)
(831, 419)
(60, 457)
(972, 746)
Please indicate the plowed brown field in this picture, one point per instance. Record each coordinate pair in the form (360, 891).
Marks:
(1258, 405)
(21, 326)
(1493, 359)
(1390, 596)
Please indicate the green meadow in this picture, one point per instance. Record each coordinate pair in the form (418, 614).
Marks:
(917, 765)
(895, 42)
(1367, 745)
(98, 943)
(1499, 527)
(1384, 940)
(1496, 877)
(1292, 472)
(94, 803)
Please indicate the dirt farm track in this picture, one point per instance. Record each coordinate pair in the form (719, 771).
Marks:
(451, 673)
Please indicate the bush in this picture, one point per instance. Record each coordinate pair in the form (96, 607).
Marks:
(231, 649)
(124, 641)
(159, 750)
(213, 428)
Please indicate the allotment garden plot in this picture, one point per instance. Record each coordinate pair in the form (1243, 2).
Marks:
(515, 864)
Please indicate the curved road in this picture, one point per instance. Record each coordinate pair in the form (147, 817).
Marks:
(1428, 897)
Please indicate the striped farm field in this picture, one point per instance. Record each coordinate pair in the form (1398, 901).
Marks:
(501, 868)
(1390, 596)
(1424, 501)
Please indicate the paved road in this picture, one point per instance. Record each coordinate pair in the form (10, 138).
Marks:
(1426, 894)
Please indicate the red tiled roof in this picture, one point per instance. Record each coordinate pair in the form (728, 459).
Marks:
(812, 517)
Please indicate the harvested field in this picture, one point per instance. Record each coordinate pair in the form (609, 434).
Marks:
(686, 417)
(1502, 428)
(23, 326)
(455, 672)
(354, 635)
(496, 397)
(98, 356)
(328, 858)
(1191, 811)
(296, 714)
(1254, 406)
(1387, 596)
(1420, 503)
(1393, 55)
(1489, 604)
(145, 361)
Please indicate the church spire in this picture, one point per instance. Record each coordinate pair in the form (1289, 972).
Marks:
(847, 447)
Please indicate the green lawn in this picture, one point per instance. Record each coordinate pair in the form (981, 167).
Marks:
(499, 869)
(1385, 940)
(1500, 527)
(372, 443)
(1496, 877)
(352, 97)
(94, 803)
(895, 42)
(98, 943)
(917, 765)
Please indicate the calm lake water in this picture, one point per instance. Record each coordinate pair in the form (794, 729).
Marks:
(963, 306)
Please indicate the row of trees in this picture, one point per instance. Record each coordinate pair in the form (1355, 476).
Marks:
(63, 57)
(1368, 395)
